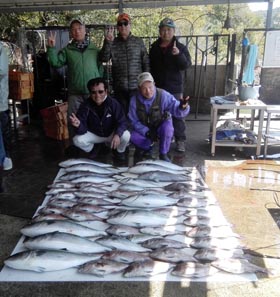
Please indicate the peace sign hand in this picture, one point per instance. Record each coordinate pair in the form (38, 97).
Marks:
(51, 39)
(175, 50)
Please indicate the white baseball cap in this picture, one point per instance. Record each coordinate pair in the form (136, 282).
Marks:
(144, 76)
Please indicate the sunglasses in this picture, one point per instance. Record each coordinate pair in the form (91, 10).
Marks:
(97, 92)
(120, 24)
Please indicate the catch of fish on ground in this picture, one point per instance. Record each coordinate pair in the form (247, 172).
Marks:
(152, 218)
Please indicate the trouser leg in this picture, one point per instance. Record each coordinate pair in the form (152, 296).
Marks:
(124, 141)
(179, 129)
(6, 131)
(165, 133)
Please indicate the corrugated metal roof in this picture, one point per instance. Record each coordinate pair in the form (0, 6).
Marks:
(56, 5)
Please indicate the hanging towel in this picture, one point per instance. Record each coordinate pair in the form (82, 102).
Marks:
(249, 73)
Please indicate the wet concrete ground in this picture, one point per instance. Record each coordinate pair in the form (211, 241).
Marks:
(36, 159)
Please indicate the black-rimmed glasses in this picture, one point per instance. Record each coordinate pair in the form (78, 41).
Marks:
(120, 24)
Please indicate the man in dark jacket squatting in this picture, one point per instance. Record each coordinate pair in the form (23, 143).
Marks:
(100, 119)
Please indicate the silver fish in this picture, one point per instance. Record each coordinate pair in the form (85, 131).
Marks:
(156, 243)
(143, 168)
(102, 267)
(180, 187)
(193, 270)
(64, 203)
(92, 178)
(82, 194)
(164, 230)
(148, 200)
(90, 208)
(238, 266)
(46, 217)
(212, 231)
(140, 218)
(173, 255)
(125, 256)
(98, 201)
(122, 230)
(43, 261)
(38, 228)
(95, 225)
(147, 268)
(161, 176)
(195, 221)
(71, 162)
(192, 202)
(91, 168)
(120, 243)
(209, 255)
(62, 185)
(143, 183)
(140, 238)
(211, 242)
(64, 241)
(78, 215)
(164, 164)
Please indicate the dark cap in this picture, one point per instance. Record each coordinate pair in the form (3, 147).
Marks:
(167, 22)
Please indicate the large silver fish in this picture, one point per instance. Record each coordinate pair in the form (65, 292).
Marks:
(140, 218)
(143, 183)
(142, 168)
(71, 162)
(238, 266)
(65, 242)
(122, 230)
(173, 255)
(147, 268)
(157, 243)
(43, 261)
(212, 231)
(193, 270)
(92, 168)
(120, 243)
(125, 256)
(42, 227)
(165, 230)
(161, 176)
(209, 255)
(163, 164)
(148, 200)
(102, 267)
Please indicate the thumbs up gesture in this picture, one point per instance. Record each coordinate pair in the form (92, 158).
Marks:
(175, 50)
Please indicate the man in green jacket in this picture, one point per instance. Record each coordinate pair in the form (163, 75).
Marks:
(81, 58)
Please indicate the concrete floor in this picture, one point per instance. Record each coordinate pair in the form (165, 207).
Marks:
(36, 159)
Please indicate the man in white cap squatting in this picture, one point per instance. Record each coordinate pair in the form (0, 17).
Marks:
(150, 112)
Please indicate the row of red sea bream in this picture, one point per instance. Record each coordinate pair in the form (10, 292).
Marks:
(155, 217)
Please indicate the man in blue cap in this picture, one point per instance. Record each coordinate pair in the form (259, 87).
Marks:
(168, 58)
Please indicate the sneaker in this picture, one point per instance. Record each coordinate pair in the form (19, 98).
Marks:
(164, 157)
(118, 156)
(180, 147)
(7, 164)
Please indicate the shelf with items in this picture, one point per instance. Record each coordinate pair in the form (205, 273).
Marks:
(236, 108)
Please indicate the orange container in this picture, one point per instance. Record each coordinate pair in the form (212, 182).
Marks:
(21, 85)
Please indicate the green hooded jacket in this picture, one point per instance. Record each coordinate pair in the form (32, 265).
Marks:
(82, 66)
